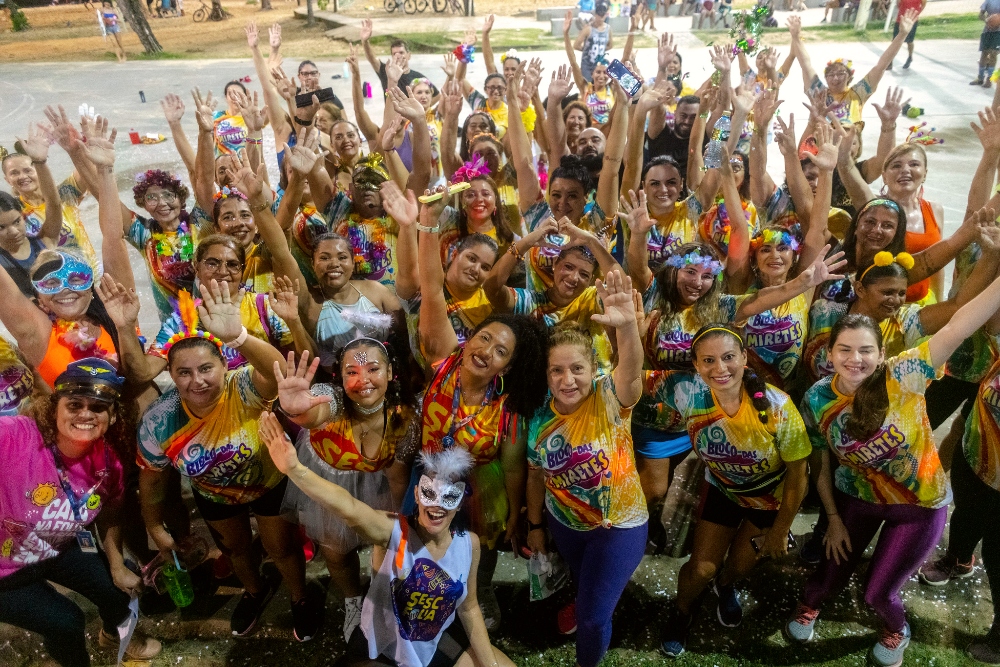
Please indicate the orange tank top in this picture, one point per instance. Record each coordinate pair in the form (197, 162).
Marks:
(66, 346)
(915, 242)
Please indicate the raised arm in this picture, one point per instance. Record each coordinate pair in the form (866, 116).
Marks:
(972, 315)
(173, 111)
(738, 256)
(71, 141)
(650, 100)
(403, 209)
(798, 186)
(375, 526)
(255, 118)
(559, 88)
(822, 269)
(597, 247)
(614, 150)
(761, 184)
(581, 83)
(636, 217)
(503, 298)
(437, 336)
(887, 113)
(122, 305)
(906, 22)
(274, 102)
(988, 132)
(450, 107)
(619, 314)
(800, 52)
(365, 123)
(816, 234)
(36, 146)
(366, 36)
(528, 190)
(409, 108)
(203, 178)
(491, 66)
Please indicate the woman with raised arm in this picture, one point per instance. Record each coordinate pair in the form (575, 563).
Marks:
(429, 556)
(480, 209)
(474, 401)
(206, 428)
(582, 480)
(20, 245)
(595, 85)
(30, 180)
(568, 189)
(349, 307)
(362, 440)
(755, 448)
(871, 414)
(67, 456)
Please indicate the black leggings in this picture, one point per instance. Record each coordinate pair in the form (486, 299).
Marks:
(28, 600)
(946, 395)
(976, 517)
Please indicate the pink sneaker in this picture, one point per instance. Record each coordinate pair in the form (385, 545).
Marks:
(566, 619)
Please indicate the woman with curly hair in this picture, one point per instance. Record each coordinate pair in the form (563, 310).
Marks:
(360, 433)
(65, 456)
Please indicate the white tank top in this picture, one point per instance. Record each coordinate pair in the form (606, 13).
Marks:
(413, 598)
(334, 331)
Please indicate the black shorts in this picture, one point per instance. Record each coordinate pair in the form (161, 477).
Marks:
(268, 504)
(989, 40)
(717, 508)
(910, 36)
(453, 643)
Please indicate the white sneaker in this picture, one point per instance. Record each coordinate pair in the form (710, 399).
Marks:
(352, 615)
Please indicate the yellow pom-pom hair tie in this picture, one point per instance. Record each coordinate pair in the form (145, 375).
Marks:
(885, 258)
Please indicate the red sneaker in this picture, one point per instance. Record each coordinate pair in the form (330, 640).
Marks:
(566, 619)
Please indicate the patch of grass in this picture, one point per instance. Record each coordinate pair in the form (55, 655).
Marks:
(528, 39)
(945, 26)
(162, 55)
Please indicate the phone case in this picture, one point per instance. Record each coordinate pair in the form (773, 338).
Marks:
(629, 82)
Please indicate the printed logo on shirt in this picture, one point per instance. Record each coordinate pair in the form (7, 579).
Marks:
(43, 494)
(581, 466)
(778, 335)
(219, 463)
(883, 446)
(659, 247)
(16, 383)
(673, 347)
(719, 454)
(424, 600)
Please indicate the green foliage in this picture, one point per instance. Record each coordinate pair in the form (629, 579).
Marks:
(18, 19)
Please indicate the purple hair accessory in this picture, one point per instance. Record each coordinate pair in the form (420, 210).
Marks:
(697, 259)
(471, 170)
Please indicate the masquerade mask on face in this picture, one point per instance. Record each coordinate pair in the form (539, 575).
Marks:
(66, 272)
(370, 173)
(440, 493)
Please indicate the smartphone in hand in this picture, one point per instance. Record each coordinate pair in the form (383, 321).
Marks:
(623, 75)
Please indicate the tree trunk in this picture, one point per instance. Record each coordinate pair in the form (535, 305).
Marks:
(265, 4)
(310, 19)
(134, 16)
(217, 8)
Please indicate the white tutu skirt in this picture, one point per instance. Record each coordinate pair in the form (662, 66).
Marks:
(323, 526)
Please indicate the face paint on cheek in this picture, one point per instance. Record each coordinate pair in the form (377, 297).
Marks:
(438, 493)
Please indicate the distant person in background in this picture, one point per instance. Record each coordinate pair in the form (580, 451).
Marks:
(989, 43)
(905, 6)
(399, 52)
(309, 78)
(109, 20)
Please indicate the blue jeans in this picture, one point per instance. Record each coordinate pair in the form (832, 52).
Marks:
(28, 600)
(602, 561)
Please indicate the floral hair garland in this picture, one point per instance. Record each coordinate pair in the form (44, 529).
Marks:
(511, 53)
(848, 64)
(226, 192)
(471, 170)
(776, 238)
(465, 53)
(697, 259)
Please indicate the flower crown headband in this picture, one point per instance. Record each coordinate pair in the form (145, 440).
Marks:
(471, 170)
(187, 311)
(885, 258)
(226, 192)
(848, 65)
(511, 53)
(774, 237)
(697, 259)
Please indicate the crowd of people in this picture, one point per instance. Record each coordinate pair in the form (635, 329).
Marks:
(504, 325)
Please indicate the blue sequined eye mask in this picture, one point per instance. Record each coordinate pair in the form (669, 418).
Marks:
(65, 272)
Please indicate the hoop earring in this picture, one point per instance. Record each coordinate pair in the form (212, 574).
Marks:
(884, 191)
(500, 391)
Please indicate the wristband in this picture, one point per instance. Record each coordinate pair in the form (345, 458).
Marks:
(304, 123)
(39, 161)
(285, 412)
(254, 142)
(512, 250)
(430, 230)
(239, 340)
(535, 526)
(705, 114)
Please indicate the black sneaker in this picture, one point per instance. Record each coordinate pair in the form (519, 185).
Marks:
(906, 65)
(729, 610)
(249, 609)
(675, 634)
(812, 551)
(307, 617)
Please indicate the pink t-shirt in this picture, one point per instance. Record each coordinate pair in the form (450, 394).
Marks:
(36, 519)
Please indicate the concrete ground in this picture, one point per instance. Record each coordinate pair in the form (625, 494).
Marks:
(943, 620)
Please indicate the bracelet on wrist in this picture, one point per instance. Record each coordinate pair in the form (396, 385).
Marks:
(254, 142)
(239, 340)
(429, 230)
(257, 208)
(286, 413)
(704, 114)
(39, 161)
(535, 526)
(303, 123)
(512, 250)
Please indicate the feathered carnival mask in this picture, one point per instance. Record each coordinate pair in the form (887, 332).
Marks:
(471, 170)
(187, 312)
(695, 259)
(442, 484)
(370, 172)
(63, 272)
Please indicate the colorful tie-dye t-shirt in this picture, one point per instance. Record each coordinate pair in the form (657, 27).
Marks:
(541, 260)
(590, 475)
(540, 307)
(73, 234)
(981, 442)
(230, 133)
(897, 465)
(745, 458)
(464, 315)
(976, 355)
(221, 453)
(775, 340)
(900, 332)
(336, 444)
(714, 226)
(847, 106)
(256, 315)
(373, 241)
(670, 231)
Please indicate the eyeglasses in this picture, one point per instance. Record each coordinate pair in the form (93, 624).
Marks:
(314, 72)
(496, 89)
(231, 266)
(165, 197)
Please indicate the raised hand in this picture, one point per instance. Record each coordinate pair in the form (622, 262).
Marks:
(470, 36)
(654, 97)
(567, 22)
(765, 106)
(818, 108)
(393, 72)
(219, 313)
(281, 449)
(514, 82)
(827, 145)
(744, 100)
(406, 105)
(562, 82)
(643, 319)
(173, 108)
(989, 231)
(204, 110)
(988, 129)
(251, 32)
(431, 213)
(245, 179)
(634, 213)
(845, 140)
(274, 36)
(387, 140)
(352, 62)
(770, 58)
(284, 299)
(304, 155)
(366, 29)
(616, 295)
(488, 24)
(794, 27)
(402, 209)
(785, 137)
(286, 87)
(122, 304)
(907, 20)
(889, 112)
(293, 385)
(451, 99)
(532, 77)
(722, 58)
(36, 146)
(67, 136)
(575, 235)
(823, 268)
(536, 238)
(100, 144)
(254, 116)
(450, 65)
(665, 51)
